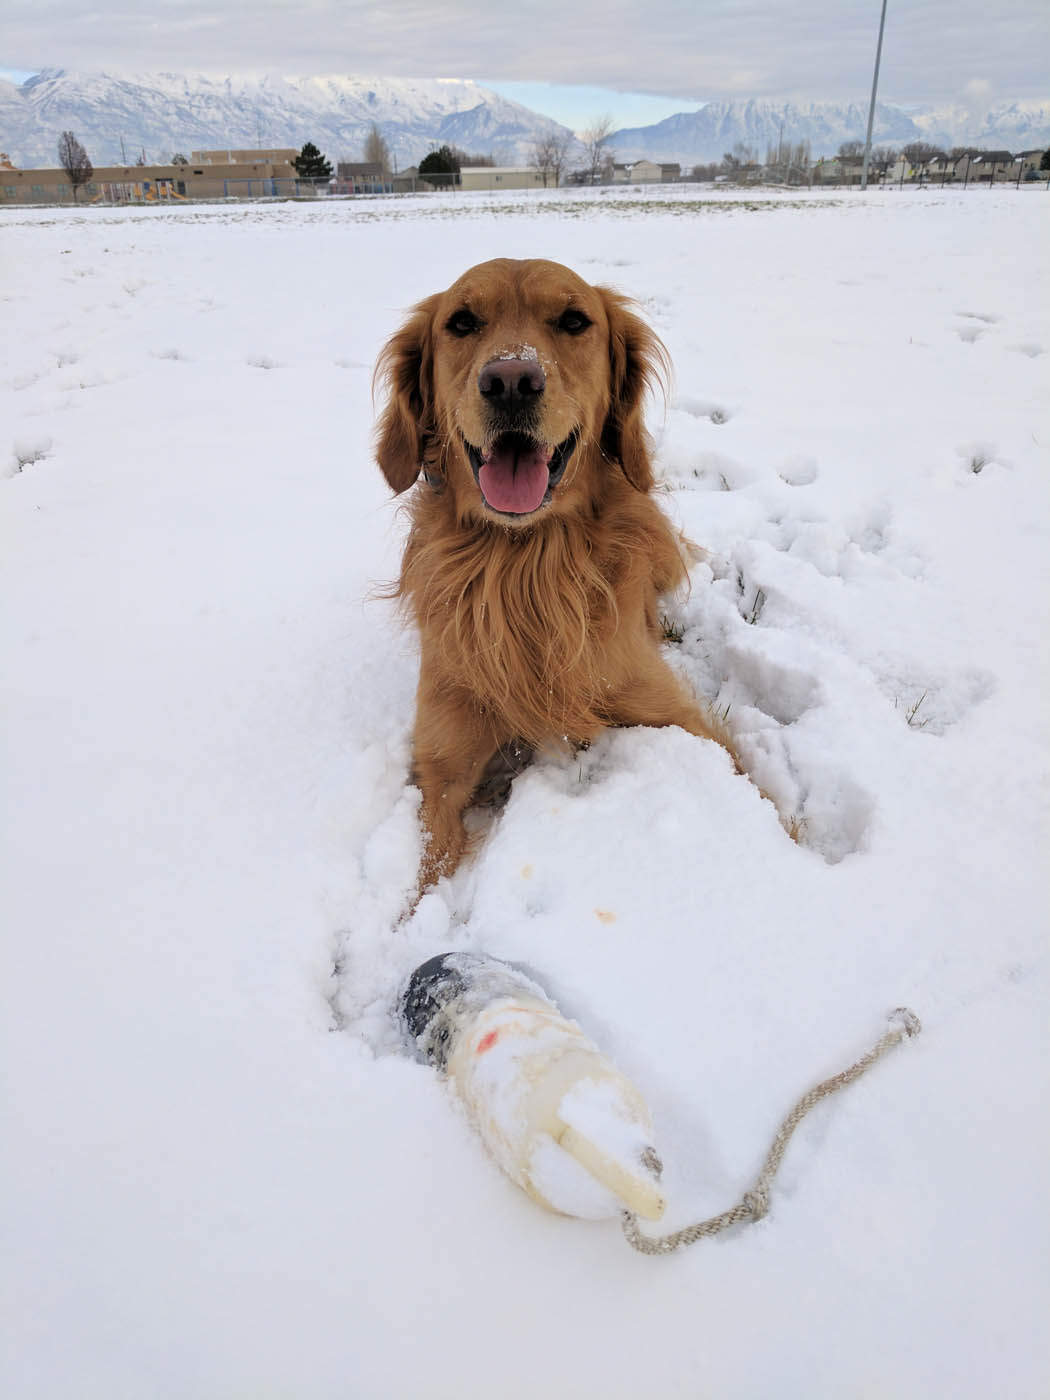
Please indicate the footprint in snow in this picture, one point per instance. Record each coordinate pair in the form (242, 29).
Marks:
(27, 450)
(717, 413)
(931, 703)
(799, 471)
(772, 700)
(834, 550)
(657, 308)
(26, 379)
(978, 455)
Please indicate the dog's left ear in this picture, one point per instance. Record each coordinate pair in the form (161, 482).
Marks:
(638, 361)
(407, 422)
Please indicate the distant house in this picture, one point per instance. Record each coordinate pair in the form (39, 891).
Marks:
(362, 177)
(410, 181)
(939, 169)
(645, 172)
(990, 166)
(500, 177)
(879, 171)
(651, 172)
(838, 170)
(1030, 165)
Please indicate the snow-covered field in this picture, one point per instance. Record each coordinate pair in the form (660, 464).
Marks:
(220, 1177)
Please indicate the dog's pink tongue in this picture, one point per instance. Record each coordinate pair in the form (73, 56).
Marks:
(515, 481)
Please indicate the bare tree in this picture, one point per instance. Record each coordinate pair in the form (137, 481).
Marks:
(918, 152)
(740, 159)
(74, 161)
(377, 152)
(801, 156)
(562, 144)
(473, 158)
(595, 142)
(851, 150)
(550, 155)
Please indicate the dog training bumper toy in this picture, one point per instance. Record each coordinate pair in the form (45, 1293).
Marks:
(561, 1121)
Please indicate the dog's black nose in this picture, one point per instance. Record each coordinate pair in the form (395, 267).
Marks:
(504, 381)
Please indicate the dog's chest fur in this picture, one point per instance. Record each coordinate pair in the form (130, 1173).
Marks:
(539, 626)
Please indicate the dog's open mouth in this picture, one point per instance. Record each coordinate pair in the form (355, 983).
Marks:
(517, 474)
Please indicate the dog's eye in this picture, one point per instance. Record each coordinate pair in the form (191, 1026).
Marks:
(573, 322)
(463, 323)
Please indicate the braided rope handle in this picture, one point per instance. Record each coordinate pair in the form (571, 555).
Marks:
(904, 1024)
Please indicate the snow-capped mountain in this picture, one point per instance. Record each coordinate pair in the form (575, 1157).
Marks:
(1009, 126)
(695, 137)
(165, 112)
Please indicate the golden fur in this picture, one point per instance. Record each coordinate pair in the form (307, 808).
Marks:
(539, 628)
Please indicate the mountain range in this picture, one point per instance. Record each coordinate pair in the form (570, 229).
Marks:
(158, 113)
(119, 118)
(703, 136)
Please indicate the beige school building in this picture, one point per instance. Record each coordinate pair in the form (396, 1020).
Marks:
(208, 175)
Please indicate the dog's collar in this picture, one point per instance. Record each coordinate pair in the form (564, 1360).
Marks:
(433, 479)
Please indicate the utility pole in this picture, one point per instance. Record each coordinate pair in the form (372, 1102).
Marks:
(871, 109)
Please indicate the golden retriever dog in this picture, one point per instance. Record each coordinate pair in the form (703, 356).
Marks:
(537, 553)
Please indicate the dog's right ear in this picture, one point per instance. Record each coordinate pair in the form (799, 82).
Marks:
(407, 421)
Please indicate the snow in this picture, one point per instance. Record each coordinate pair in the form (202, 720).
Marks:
(221, 1176)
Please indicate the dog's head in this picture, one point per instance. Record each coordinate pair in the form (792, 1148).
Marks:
(517, 389)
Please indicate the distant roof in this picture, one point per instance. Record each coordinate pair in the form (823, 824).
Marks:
(244, 156)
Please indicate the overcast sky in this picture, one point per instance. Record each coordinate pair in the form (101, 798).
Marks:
(638, 59)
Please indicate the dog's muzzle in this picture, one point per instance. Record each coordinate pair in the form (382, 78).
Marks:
(517, 474)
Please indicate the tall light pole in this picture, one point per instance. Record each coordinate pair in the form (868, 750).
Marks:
(871, 109)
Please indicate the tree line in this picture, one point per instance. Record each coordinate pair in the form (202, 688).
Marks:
(786, 160)
(552, 154)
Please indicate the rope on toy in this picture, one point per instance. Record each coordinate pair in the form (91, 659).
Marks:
(904, 1024)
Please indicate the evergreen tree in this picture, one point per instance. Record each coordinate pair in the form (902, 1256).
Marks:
(441, 162)
(1044, 164)
(310, 164)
